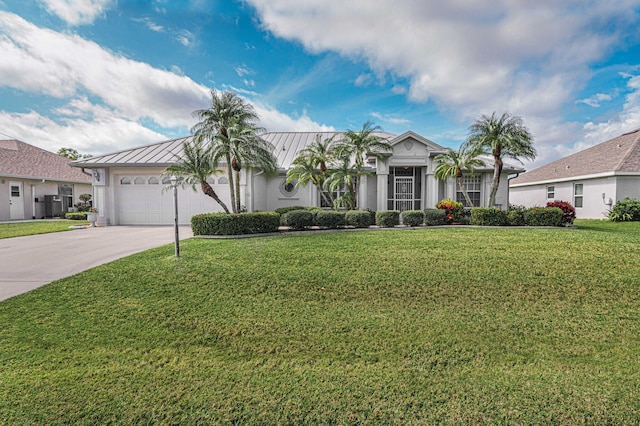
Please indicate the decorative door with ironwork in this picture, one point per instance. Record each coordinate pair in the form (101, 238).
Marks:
(403, 193)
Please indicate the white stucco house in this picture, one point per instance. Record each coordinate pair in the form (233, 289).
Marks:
(128, 185)
(35, 183)
(592, 180)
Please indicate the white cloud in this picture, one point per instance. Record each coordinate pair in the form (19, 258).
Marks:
(276, 121)
(595, 100)
(363, 79)
(78, 12)
(150, 24)
(243, 70)
(390, 119)
(186, 38)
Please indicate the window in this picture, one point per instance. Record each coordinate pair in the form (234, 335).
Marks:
(139, 181)
(223, 180)
(153, 180)
(166, 180)
(551, 192)
(288, 189)
(211, 180)
(472, 184)
(577, 195)
(15, 190)
(125, 181)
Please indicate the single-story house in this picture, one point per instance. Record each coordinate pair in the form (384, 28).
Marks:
(130, 188)
(592, 180)
(35, 183)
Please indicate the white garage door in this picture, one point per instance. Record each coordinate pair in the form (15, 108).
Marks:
(141, 201)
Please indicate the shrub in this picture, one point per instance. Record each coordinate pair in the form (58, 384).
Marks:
(297, 220)
(388, 218)
(515, 217)
(465, 217)
(625, 211)
(76, 216)
(489, 216)
(282, 211)
(434, 217)
(330, 219)
(568, 211)
(454, 209)
(547, 216)
(413, 217)
(358, 218)
(372, 215)
(234, 224)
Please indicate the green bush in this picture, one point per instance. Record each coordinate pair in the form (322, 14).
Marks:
(465, 217)
(626, 210)
(358, 218)
(234, 224)
(489, 216)
(434, 217)
(547, 216)
(388, 218)
(413, 217)
(454, 209)
(372, 216)
(568, 211)
(330, 219)
(76, 216)
(515, 217)
(282, 211)
(297, 220)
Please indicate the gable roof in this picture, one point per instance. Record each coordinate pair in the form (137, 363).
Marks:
(23, 161)
(618, 155)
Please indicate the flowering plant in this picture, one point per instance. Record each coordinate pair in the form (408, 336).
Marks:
(568, 211)
(454, 209)
(94, 210)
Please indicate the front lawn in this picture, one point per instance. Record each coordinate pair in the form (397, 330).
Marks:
(448, 325)
(21, 229)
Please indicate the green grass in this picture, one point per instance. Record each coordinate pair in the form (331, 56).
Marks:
(21, 229)
(462, 326)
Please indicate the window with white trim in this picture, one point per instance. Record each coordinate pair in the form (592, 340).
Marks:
(578, 194)
(139, 181)
(125, 181)
(551, 192)
(472, 183)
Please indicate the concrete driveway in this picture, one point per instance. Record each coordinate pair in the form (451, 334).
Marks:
(30, 262)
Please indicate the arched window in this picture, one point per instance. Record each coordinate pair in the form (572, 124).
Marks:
(153, 180)
(125, 181)
(211, 180)
(166, 180)
(139, 181)
(222, 180)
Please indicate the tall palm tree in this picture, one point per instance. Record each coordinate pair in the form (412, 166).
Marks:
(195, 165)
(504, 136)
(246, 149)
(227, 110)
(343, 179)
(357, 144)
(455, 163)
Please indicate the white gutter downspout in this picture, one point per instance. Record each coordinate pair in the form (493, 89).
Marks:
(251, 196)
(33, 198)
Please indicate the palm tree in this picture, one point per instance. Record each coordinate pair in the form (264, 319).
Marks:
(454, 163)
(343, 179)
(357, 144)
(311, 165)
(227, 110)
(246, 149)
(504, 136)
(195, 165)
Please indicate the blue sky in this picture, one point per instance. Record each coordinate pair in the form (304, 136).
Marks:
(105, 75)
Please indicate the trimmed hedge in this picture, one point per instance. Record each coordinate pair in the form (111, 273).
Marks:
(488, 216)
(412, 217)
(76, 216)
(358, 218)
(282, 211)
(329, 219)
(516, 217)
(626, 210)
(434, 217)
(568, 211)
(388, 218)
(547, 216)
(297, 220)
(235, 224)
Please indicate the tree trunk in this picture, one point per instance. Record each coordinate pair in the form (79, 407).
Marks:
(463, 189)
(236, 176)
(208, 190)
(497, 171)
(232, 188)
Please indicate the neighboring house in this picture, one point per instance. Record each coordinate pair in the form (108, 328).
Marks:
(35, 183)
(130, 188)
(592, 180)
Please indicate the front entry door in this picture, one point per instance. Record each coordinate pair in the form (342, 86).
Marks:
(16, 202)
(404, 193)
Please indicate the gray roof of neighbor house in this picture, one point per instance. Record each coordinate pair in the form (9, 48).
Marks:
(618, 155)
(24, 161)
(286, 147)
